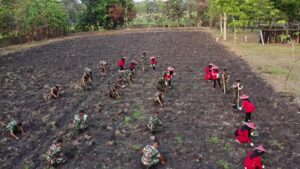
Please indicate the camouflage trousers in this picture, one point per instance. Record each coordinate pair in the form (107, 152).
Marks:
(55, 160)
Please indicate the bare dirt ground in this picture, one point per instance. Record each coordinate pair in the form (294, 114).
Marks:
(199, 120)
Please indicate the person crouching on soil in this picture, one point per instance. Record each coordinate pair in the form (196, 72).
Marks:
(151, 156)
(54, 92)
(14, 128)
(121, 63)
(208, 71)
(237, 87)
(55, 155)
(80, 121)
(247, 107)
(243, 134)
(113, 92)
(253, 160)
(215, 76)
(133, 66)
(159, 98)
(86, 79)
(153, 62)
(154, 123)
(103, 66)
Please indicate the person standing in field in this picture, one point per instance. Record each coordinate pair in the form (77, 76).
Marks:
(133, 66)
(247, 107)
(143, 61)
(121, 64)
(103, 66)
(225, 80)
(237, 87)
(153, 62)
(215, 76)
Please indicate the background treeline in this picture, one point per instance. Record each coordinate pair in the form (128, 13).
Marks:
(28, 20)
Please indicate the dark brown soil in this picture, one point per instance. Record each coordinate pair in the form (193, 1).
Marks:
(199, 120)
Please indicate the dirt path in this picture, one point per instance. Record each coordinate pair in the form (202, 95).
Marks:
(199, 120)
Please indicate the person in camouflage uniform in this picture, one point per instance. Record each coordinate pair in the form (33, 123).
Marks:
(151, 156)
(86, 78)
(54, 154)
(154, 123)
(143, 61)
(126, 74)
(14, 127)
(225, 79)
(80, 121)
(103, 66)
(113, 92)
(237, 87)
(161, 87)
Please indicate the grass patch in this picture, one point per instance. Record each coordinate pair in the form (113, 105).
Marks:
(214, 140)
(228, 147)
(136, 147)
(275, 71)
(179, 138)
(137, 112)
(224, 164)
(127, 121)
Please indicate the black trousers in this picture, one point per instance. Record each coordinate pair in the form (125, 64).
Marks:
(247, 117)
(215, 82)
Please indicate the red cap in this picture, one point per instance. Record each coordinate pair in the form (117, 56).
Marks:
(215, 67)
(260, 148)
(244, 96)
(152, 57)
(251, 125)
(211, 64)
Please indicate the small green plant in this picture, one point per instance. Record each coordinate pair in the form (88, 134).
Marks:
(214, 140)
(137, 112)
(228, 147)
(224, 164)
(136, 147)
(179, 138)
(127, 121)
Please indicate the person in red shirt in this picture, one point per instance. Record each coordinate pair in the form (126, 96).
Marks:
(169, 75)
(208, 70)
(133, 66)
(168, 78)
(215, 76)
(247, 107)
(153, 62)
(253, 160)
(243, 134)
(121, 63)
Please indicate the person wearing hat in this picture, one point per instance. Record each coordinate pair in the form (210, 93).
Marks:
(253, 160)
(169, 75)
(153, 62)
(14, 127)
(151, 156)
(237, 87)
(225, 79)
(215, 76)
(103, 66)
(143, 61)
(247, 107)
(208, 70)
(133, 66)
(243, 134)
(121, 63)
